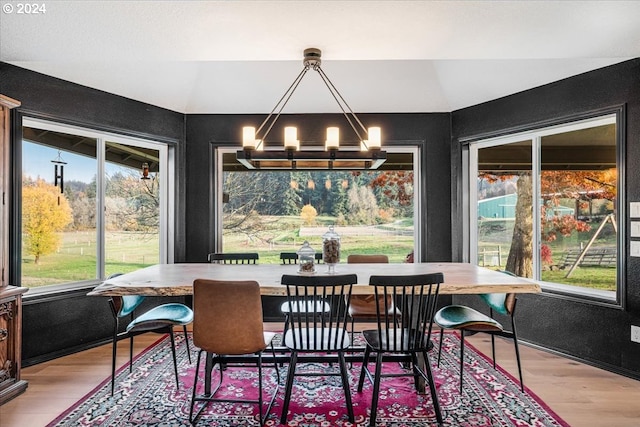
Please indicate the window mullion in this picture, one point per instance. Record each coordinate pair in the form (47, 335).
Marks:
(536, 170)
(100, 208)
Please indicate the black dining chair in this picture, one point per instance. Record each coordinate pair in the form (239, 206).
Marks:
(289, 257)
(318, 331)
(234, 258)
(227, 336)
(162, 318)
(409, 338)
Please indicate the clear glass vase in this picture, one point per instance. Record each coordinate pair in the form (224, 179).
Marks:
(306, 259)
(331, 249)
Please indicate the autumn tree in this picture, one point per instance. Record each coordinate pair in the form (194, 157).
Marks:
(396, 188)
(45, 213)
(308, 214)
(555, 186)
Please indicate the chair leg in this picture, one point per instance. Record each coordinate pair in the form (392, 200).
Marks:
(376, 390)
(432, 388)
(275, 363)
(186, 340)
(515, 343)
(260, 389)
(440, 345)
(365, 361)
(113, 359)
(345, 386)
(461, 357)
(493, 350)
(289, 386)
(193, 392)
(173, 353)
(131, 354)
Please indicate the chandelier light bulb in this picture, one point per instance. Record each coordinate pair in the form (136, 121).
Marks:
(333, 138)
(291, 138)
(374, 138)
(249, 138)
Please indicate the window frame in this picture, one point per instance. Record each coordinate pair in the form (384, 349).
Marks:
(216, 206)
(102, 137)
(535, 134)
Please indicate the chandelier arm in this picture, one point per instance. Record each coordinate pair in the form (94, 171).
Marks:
(287, 94)
(334, 91)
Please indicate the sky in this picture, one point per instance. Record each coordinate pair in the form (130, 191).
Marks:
(36, 162)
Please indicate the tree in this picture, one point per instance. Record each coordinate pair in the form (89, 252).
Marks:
(555, 186)
(520, 259)
(45, 212)
(363, 207)
(308, 214)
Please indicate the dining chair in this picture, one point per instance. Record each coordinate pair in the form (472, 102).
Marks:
(161, 318)
(468, 320)
(289, 257)
(292, 257)
(227, 336)
(409, 338)
(300, 306)
(363, 307)
(318, 331)
(234, 258)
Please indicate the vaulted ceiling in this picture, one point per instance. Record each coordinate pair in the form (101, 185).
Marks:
(383, 56)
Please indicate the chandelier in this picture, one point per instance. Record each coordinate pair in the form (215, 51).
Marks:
(254, 154)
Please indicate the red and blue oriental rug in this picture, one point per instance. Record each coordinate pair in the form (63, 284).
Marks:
(148, 396)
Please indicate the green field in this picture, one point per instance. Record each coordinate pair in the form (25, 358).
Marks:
(287, 234)
(76, 260)
(495, 240)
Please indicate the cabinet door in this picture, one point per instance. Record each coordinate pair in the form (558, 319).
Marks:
(7, 330)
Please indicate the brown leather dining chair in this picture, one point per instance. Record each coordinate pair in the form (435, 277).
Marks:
(227, 336)
(363, 307)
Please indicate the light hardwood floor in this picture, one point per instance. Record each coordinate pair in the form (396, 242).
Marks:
(582, 395)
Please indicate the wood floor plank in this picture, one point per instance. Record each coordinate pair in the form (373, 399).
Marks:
(582, 395)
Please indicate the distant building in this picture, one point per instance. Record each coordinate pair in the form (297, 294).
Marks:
(504, 207)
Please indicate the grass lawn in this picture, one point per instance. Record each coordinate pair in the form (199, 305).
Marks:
(75, 261)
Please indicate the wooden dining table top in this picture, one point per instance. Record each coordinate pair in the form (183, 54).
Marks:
(177, 279)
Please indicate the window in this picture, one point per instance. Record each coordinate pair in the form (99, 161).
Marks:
(270, 212)
(88, 208)
(544, 204)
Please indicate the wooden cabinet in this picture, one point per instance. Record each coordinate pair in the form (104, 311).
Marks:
(10, 342)
(10, 296)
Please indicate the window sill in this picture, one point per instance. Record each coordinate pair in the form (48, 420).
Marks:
(576, 293)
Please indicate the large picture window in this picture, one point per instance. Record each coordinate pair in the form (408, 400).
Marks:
(92, 204)
(270, 212)
(544, 205)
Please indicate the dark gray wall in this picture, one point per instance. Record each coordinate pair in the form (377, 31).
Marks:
(59, 324)
(430, 131)
(595, 333)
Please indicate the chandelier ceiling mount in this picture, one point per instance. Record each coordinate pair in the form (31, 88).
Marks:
(254, 154)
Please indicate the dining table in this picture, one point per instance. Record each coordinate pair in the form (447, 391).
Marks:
(177, 279)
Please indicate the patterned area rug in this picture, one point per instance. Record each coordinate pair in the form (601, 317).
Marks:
(148, 396)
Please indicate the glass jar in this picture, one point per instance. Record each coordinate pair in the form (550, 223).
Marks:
(331, 249)
(306, 259)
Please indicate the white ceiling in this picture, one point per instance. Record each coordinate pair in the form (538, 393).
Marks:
(383, 56)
